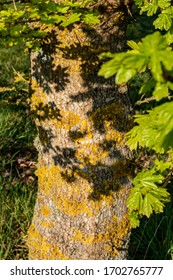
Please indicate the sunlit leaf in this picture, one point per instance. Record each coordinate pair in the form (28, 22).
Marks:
(160, 91)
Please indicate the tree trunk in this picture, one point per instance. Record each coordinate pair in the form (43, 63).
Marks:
(83, 173)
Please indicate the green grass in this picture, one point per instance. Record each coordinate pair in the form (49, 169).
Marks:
(17, 132)
(17, 202)
(10, 59)
(18, 194)
(153, 240)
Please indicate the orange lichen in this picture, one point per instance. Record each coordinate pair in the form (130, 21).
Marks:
(113, 134)
(40, 248)
(38, 97)
(45, 211)
(68, 44)
(73, 207)
(48, 224)
(42, 180)
(116, 233)
(68, 120)
(93, 152)
(112, 237)
(71, 197)
(85, 130)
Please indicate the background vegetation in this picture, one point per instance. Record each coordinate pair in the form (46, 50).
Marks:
(18, 184)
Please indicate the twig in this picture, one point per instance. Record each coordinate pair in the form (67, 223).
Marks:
(19, 75)
(14, 4)
(146, 100)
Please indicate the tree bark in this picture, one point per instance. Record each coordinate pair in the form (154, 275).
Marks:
(83, 171)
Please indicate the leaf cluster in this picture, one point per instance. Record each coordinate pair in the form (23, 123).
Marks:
(153, 129)
(152, 53)
(29, 22)
(147, 196)
(164, 11)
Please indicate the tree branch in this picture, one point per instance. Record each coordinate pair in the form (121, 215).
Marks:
(146, 100)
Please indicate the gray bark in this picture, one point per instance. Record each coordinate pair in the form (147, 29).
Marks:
(83, 171)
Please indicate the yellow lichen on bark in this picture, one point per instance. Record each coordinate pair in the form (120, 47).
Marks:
(45, 211)
(113, 236)
(83, 176)
(38, 97)
(115, 231)
(40, 248)
(71, 198)
(75, 192)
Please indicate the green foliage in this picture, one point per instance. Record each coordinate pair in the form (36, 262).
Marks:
(164, 10)
(154, 128)
(28, 22)
(31, 21)
(152, 53)
(146, 196)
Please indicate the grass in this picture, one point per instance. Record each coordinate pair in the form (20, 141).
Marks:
(153, 240)
(17, 202)
(10, 59)
(18, 187)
